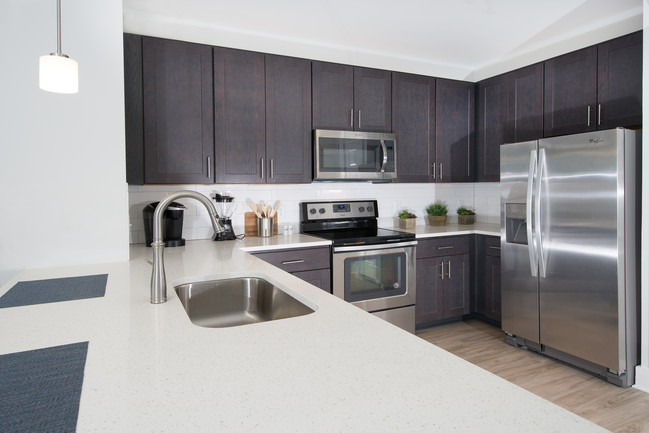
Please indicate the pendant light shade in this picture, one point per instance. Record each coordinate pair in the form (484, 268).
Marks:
(57, 72)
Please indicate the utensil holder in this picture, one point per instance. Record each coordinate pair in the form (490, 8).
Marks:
(265, 227)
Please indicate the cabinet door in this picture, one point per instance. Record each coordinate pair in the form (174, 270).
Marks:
(492, 287)
(372, 100)
(288, 120)
(619, 82)
(413, 120)
(239, 116)
(320, 278)
(492, 127)
(333, 96)
(457, 285)
(571, 93)
(429, 305)
(454, 130)
(177, 104)
(525, 104)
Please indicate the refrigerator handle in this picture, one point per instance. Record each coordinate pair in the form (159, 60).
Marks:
(537, 213)
(531, 241)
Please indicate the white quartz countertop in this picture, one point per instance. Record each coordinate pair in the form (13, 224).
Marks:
(452, 229)
(338, 369)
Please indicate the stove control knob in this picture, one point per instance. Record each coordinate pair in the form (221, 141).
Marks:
(361, 209)
(322, 210)
(370, 208)
(312, 210)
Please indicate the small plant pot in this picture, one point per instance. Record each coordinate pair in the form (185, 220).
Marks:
(465, 219)
(407, 223)
(437, 220)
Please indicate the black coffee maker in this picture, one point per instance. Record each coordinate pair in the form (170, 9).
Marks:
(172, 224)
(225, 206)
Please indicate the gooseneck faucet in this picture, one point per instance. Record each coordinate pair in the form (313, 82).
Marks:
(158, 278)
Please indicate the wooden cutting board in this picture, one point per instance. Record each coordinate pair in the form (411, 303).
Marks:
(250, 224)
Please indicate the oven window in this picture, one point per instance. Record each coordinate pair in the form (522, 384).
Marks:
(375, 276)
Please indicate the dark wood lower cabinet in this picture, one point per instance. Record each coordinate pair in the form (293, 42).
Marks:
(312, 265)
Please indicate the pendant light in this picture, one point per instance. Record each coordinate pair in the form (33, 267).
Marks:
(57, 72)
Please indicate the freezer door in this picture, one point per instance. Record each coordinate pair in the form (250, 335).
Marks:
(582, 225)
(519, 283)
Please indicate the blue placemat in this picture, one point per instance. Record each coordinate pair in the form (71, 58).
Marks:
(40, 389)
(54, 290)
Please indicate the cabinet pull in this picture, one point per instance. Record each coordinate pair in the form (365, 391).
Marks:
(272, 168)
(434, 167)
(445, 247)
(351, 118)
(262, 168)
(292, 262)
(209, 166)
(588, 116)
(359, 118)
(495, 248)
(599, 114)
(442, 270)
(441, 171)
(449, 269)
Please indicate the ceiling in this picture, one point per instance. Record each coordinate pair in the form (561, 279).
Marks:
(464, 39)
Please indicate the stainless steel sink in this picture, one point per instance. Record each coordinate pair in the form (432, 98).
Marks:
(237, 301)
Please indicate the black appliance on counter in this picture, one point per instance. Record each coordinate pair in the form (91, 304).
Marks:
(226, 207)
(373, 268)
(172, 224)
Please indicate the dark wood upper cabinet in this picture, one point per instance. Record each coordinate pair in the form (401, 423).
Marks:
(351, 98)
(413, 120)
(288, 120)
(571, 93)
(239, 116)
(454, 131)
(177, 111)
(619, 82)
(525, 104)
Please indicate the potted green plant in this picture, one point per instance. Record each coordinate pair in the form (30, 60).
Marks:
(437, 213)
(407, 219)
(465, 215)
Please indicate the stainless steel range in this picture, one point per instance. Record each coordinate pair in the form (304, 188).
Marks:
(373, 268)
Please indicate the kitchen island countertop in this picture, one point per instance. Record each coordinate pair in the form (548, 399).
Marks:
(338, 369)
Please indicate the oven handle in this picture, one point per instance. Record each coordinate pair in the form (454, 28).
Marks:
(374, 247)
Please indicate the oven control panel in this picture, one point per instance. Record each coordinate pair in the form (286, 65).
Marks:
(312, 211)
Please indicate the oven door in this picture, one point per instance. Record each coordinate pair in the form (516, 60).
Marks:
(375, 277)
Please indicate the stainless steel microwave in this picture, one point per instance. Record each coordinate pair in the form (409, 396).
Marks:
(354, 155)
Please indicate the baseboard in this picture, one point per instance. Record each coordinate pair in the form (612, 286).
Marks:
(642, 378)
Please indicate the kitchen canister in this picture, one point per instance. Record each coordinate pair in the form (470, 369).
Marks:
(265, 227)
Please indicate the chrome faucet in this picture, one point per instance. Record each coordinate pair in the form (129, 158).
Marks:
(158, 279)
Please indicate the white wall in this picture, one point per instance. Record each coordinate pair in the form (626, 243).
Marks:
(484, 197)
(63, 189)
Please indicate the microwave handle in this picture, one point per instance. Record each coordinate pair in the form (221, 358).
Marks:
(385, 156)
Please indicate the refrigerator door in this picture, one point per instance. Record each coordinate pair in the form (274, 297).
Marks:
(519, 258)
(581, 220)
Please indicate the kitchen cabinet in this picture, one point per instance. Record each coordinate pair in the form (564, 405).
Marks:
(443, 278)
(454, 131)
(351, 98)
(598, 87)
(309, 264)
(413, 120)
(169, 130)
(491, 254)
(510, 109)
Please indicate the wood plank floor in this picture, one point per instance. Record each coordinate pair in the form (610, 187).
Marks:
(614, 408)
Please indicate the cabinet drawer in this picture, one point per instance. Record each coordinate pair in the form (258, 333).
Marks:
(443, 246)
(302, 259)
(492, 246)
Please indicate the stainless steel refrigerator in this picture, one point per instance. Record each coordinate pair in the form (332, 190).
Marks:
(570, 249)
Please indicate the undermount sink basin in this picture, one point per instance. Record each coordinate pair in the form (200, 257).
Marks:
(237, 301)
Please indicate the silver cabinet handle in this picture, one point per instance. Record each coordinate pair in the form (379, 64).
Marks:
(351, 118)
(588, 116)
(442, 270)
(494, 248)
(262, 168)
(209, 166)
(446, 247)
(359, 118)
(434, 167)
(441, 171)
(272, 168)
(599, 114)
(292, 262)
(449, 269)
